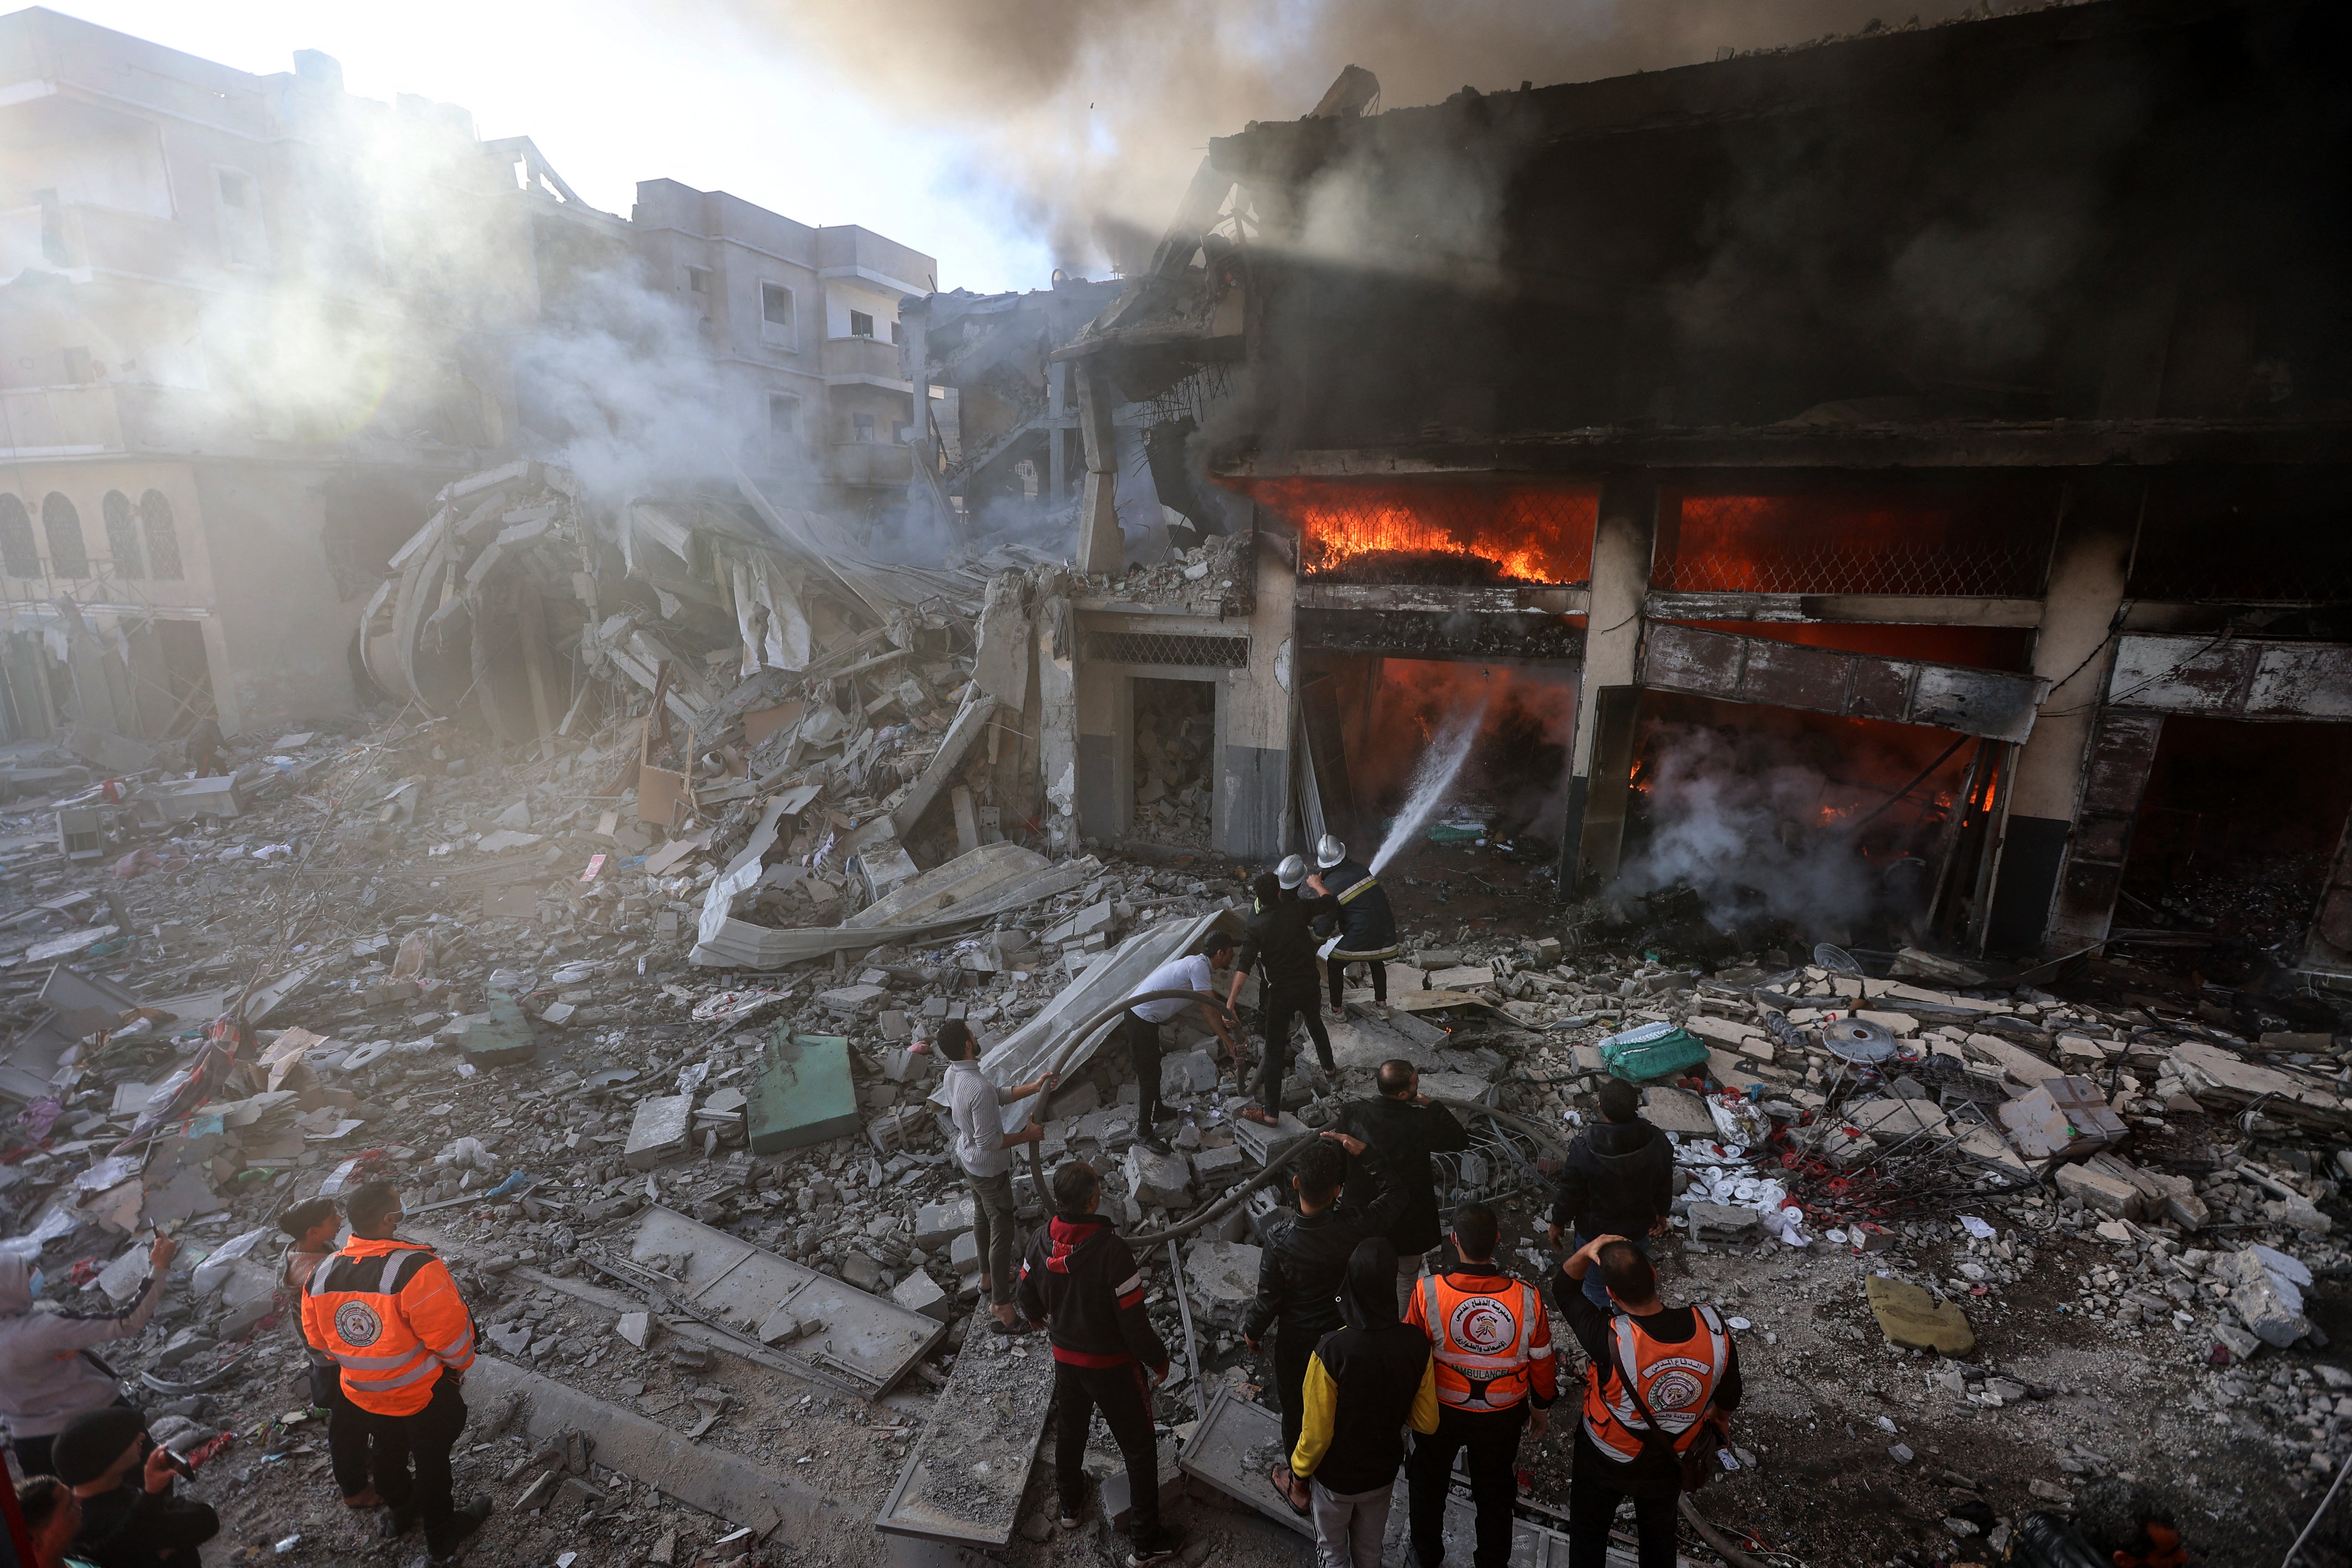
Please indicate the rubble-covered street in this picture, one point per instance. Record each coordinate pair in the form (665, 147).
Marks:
(1788, 570)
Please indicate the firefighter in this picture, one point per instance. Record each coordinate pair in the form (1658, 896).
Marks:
(1491, 1343)
(1365, 925)
(389, 1313)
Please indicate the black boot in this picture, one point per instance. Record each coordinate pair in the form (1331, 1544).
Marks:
(463, 1523)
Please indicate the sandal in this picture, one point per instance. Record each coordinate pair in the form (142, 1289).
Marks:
(1252, 1113)
(1280, 1476)
(1010, 1331)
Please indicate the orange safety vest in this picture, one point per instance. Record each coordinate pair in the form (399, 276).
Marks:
(1492, 1347)
(1677, 1382)
(391, 1316)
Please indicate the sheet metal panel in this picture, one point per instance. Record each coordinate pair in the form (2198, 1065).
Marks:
(1740, 669)
(2236, 677)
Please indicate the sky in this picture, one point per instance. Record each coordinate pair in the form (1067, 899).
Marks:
(613, 93)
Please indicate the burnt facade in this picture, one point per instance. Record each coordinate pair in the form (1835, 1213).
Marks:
(1973, 396)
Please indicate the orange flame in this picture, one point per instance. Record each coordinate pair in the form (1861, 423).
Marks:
(1532, 534)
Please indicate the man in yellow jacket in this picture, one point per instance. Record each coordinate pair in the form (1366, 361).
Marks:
(1366, 1384)
(389, 1313)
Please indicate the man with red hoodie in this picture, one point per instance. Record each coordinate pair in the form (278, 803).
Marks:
(1081, 1284)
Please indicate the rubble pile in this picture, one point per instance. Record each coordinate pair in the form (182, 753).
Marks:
(483, 971)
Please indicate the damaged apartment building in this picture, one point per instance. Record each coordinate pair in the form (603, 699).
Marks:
(1961, 411)
(255, 325)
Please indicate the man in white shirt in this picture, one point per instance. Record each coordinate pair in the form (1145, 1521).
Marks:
(985, 1149)
(1190, 972)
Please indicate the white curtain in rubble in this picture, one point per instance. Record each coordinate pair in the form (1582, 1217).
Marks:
(776, 631)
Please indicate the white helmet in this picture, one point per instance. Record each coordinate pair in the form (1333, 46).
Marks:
(1329, 852)
(1291, 872)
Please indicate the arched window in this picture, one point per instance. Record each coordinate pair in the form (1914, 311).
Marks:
(69, 557)
(162, 538)
(122, 536)
(19, 556)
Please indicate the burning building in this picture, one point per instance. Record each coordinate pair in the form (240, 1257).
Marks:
(1933, 439)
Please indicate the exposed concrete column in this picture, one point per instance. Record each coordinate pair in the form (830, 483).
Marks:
(1058, 404)
(1255, 723)
(1057, 718)
(1101, 551)
(1624, 538)
(2074, 649)
(228, 705)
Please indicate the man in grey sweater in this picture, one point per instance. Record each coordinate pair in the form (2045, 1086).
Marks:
(47, 1374)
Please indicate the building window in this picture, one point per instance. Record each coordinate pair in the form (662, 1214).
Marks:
(68, 555)
(698, 280)
(861, 325)
(777, 325)
(162, 536)
(897, 334)
(122, 536)
(19, 556)
(243, 239)
(78, 370)
(861, 427)
(783, 430)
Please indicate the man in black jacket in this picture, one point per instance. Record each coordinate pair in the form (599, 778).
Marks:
(1618, 1180)
(1305, 1261)
(129, 1518)
(1281, 936)
(1403, 1128)
(1081, 1284)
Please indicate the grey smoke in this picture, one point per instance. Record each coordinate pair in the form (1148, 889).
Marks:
(1737, 819)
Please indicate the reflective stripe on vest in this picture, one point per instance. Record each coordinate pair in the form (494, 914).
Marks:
(1494, 1377)
(1348, 894)
(1675, 1384)
(367, 1316)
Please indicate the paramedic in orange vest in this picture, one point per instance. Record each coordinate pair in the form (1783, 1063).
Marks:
(390, 1315)
(1685, 1361)
(1491, 1342)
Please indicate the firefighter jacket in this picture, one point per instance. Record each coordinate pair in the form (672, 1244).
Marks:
(390, 1315)
(1489, 1336)
(1678, 1379)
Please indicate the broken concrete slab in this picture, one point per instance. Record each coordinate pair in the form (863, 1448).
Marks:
(2098, 1190)
(1157, 1180)
(1222, 1280)
(963, 1480)
(938, 1225)
(1723, 1222)
(659, 1131)
(712, 1479)
(918, 1292)
(1910, 1317)
(1672, 1110)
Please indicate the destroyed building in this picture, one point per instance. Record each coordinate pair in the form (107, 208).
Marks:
(1962, 410)
(256, 323)
(617, 935)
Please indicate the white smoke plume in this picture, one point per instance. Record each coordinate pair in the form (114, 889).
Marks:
(1752, 829)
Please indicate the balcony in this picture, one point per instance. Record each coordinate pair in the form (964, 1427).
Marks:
(871, 463)
(866, 360)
